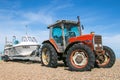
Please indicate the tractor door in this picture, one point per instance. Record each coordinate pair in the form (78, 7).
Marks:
(71, 30)
(58, 38)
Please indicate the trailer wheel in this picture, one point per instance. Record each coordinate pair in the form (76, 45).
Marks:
(107, 60)
(48, 56)
(5, 58)
(80, 58)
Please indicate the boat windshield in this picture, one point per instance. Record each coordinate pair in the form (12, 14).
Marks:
(29, 39)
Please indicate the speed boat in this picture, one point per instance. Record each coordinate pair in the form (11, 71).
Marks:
(28, 47)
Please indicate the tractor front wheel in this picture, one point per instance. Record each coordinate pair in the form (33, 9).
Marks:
(80, 58)
(106, 60)
(48, 56)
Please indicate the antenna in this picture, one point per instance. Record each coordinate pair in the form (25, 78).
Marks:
(5, 40)
(79, 24)
(26, 29)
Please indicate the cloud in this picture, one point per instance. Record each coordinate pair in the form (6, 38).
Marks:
(39, 17)
(10, 5)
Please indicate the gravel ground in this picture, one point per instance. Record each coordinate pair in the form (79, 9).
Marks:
(34, 71)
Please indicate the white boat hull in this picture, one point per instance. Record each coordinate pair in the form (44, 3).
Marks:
(25, 50)
(20, 50)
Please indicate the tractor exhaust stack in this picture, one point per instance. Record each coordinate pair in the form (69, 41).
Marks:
(79, 25)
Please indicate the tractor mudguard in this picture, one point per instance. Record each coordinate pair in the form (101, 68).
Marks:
(52, 42)
(71, 44)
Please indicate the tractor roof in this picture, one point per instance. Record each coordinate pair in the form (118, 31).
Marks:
(63, 21)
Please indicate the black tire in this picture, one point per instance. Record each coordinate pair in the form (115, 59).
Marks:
(65, 63)
(48, 51)
(5, 58)
(109, 58)
(82, 50)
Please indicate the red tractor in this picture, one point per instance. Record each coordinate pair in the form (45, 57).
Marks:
(78, 52)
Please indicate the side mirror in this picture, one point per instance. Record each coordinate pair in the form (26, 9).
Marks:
(82, 27)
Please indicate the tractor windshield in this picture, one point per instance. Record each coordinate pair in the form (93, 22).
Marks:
(71, 30)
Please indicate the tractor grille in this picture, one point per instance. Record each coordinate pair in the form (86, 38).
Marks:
(98, 43)
(98, 40)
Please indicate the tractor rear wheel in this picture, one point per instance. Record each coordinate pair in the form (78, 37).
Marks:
(48, 56)
(106, 60)
(80, 58)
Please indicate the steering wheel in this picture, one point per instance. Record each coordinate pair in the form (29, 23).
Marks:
(70, 34)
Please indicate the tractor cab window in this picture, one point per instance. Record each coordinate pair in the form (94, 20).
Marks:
(71, 30)
(57, 34)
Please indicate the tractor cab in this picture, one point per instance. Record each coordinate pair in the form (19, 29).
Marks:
(62, 31)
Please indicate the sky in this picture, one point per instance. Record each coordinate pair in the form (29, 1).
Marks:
(100, 16)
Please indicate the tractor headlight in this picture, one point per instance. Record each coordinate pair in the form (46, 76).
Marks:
(98, 45)
(97, 42)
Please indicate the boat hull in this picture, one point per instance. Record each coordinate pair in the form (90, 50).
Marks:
(25, 50)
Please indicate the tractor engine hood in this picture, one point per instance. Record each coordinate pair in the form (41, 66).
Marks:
(91, 40)
(83, 38)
